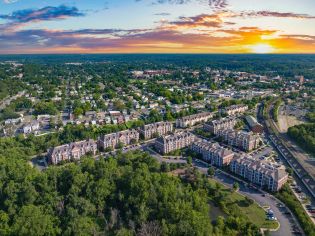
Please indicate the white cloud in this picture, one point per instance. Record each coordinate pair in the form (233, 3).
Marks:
(9, 1)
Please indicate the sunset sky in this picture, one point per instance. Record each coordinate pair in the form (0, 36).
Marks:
(157, 26)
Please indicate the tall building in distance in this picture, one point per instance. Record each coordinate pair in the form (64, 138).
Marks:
(125, 138)
(263, 173)
(188, 121)
(216, 125)
(156, 129)
(73, 151)
(174, 142)
(213, 153)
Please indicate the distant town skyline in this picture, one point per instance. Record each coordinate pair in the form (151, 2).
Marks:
(157, 26)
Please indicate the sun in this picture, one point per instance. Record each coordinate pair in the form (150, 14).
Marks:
(262, 48)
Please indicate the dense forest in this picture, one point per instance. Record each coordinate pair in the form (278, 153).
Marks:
(304, 135)
(277, 64)
(126, 195)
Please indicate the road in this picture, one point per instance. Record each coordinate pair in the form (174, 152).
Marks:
(287, 222)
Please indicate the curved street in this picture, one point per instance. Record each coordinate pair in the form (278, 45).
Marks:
(286, 219)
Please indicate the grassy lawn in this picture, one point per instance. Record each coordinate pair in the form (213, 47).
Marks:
(254, 212)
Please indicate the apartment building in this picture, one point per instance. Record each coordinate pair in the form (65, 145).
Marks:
(213, 153)
(156, 129)
(188, 121)
(261, 172)
(234, 110)
(241, 139)
(174, 142)
(216, 125)
(125, 137)
(72, 151)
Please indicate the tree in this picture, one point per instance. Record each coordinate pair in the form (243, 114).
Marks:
(120, 145)
(43, 108)
(108, 149)
(82, 226)
(4, 223)
(249, 200)
(78, 111)
(165, 167)
(211, 171)
(32, 221)
(189, 160)
(150, 228)
(236, 186)
(290, 171)
(169, 116)
(133, 141)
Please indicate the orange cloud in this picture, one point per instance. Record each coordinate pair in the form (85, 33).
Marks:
(204, 33)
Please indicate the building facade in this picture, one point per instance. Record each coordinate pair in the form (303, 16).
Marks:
(213, 153)
(241, 139)
(160, 128)
(188, 121)
(263, 173)
(72, 151)
(234, 110)
(125, 138)
(216, 125)
(254, 125)
(174, 142)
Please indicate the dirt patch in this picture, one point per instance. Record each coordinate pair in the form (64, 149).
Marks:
(286, 121)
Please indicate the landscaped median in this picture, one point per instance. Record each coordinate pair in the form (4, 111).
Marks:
(234, 203)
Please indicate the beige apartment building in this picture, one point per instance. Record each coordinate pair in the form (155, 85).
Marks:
(72, 151)
(213, 153)
(266, 174)
(216, 125)
(188, 121)
(125, 137)
(156, 129)
(234, 110)
(241, 139)
(174, 142)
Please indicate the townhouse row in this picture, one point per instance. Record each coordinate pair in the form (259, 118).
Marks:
(234, 110)
(192, 120)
